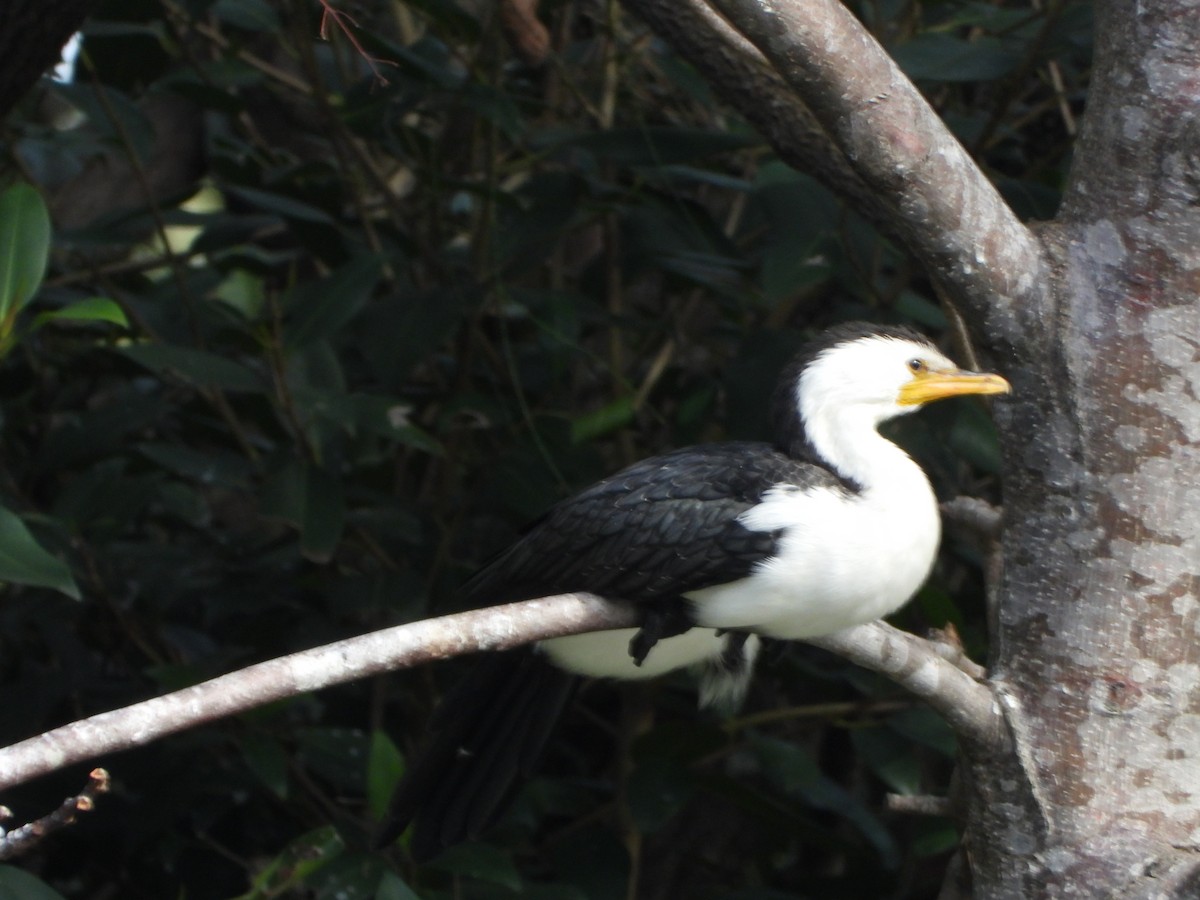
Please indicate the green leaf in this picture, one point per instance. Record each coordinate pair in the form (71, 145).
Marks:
(24, 561)
(312, 500)
(385, 765)
(24, 249)
(943, 57)
(197, 367)
(482, 862)
(93, 309)
(299, 861)
(267, 759)
(392, 887)
(17, 884)
(659, 145)
(602, 421)
(250, 15)
(317, 310)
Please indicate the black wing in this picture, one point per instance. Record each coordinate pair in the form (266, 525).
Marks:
(660, 528)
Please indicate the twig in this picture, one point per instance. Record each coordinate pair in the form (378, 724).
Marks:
(22, 840)
(329, 13)
(978, 516)
(920, 805)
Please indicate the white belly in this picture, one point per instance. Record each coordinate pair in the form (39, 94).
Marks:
(605, 654)
(841, 561)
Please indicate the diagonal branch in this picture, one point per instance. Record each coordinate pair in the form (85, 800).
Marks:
(743, 78)
(915, 664)
(400, 647)
(950, 216)
(910, 661)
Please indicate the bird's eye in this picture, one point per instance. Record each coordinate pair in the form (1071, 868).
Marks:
(916, 365)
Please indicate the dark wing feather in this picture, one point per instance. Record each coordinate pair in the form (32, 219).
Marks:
(656, 530)
(660, 528)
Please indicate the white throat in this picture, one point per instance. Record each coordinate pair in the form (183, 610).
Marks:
(847, 438)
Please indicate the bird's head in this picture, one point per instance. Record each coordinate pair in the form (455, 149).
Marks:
(867, 374)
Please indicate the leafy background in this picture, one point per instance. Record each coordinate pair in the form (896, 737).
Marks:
(319, 333)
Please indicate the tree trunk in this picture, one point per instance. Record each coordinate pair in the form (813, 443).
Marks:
(1096, 645)
(1093, 789)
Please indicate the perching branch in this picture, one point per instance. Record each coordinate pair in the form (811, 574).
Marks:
(400, 647)
(913, 663)
(950, 215)
(908, 660)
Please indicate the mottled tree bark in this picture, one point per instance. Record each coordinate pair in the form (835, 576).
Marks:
(1092, 788)
(1100, 598)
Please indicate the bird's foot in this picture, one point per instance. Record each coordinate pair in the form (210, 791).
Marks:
(660, 622)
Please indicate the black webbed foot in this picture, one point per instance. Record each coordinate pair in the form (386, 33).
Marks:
(661, 621)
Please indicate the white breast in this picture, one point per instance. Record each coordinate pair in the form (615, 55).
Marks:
(843, 559)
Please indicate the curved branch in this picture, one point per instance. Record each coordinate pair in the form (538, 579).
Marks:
(743, 78)
(951, 216)
(908, 660)
(914, 664)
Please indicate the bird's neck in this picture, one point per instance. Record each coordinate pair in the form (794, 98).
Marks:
(848, 442)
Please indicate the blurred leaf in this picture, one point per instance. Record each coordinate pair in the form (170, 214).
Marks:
(889, 757)
(392, 887)
(251, 15)
(974, 437)
(198, 367)
(926, 727)
(17, 884)
(24, 249)
(795, 772)
(291, 868)
(384, 768)
(311, 499)
(602, 421)
(317, 310)
(656, 145)
(93, 309)
(656, 791)
(267, 759)
(482, 862)
(23, 561)
(115, 117)
(242, 290)
(943, 57)
(284, 206)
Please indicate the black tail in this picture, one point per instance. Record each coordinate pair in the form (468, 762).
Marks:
(489, 734)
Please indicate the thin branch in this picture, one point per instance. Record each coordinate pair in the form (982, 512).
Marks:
(910, 661)
(920, 805)
(913, 663)
(951, 216)
(977, 516)
(404, 646)
(21, 840)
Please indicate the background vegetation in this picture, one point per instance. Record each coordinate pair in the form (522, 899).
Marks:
(376, 301)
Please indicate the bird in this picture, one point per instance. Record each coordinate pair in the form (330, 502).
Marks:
(717, 545)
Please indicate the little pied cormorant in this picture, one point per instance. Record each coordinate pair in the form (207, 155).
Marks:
(831, 526)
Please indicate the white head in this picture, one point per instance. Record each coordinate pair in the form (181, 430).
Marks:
(854, 377)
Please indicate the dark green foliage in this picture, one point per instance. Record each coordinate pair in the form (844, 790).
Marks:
(401, 319)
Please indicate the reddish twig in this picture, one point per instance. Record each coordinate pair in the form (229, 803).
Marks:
(340, 18)
(22, 840)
